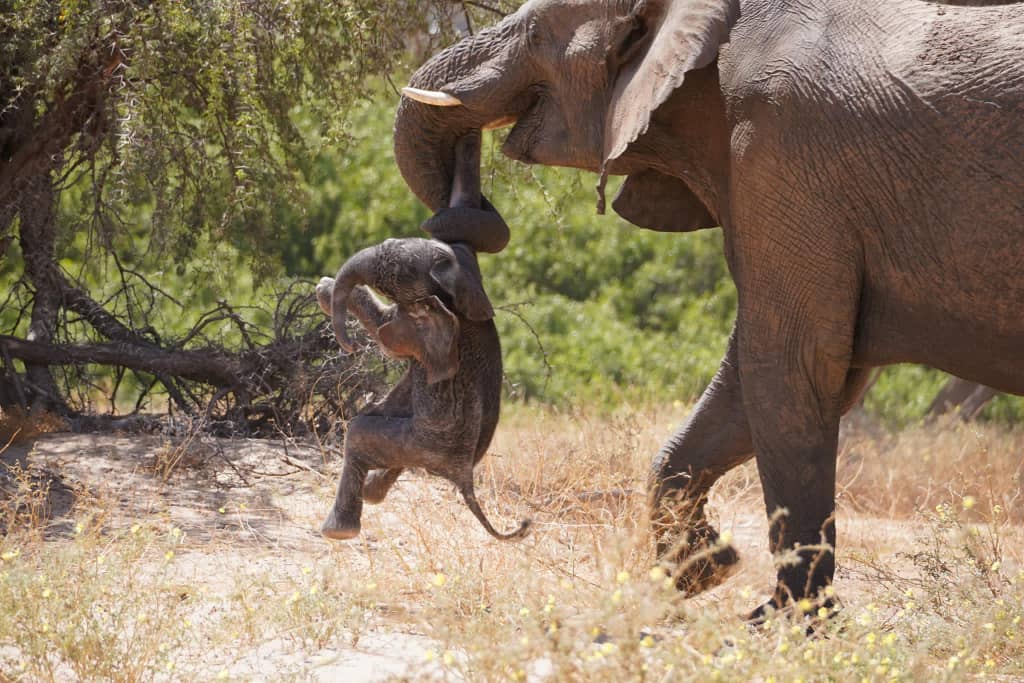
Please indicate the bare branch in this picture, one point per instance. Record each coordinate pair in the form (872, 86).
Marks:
(483, 6)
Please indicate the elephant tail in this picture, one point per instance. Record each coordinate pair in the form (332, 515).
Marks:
(470, 497)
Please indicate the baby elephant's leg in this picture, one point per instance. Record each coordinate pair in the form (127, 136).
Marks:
(342, 521)
(372, 442)
(379, 482)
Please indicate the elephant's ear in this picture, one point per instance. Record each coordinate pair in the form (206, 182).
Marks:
(461, 280)
(661, 202)
(427, 331)
(324, 290)
(663, 41)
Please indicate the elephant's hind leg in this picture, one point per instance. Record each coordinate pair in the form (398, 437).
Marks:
(379, 482)
(373, 442)
(712, 441)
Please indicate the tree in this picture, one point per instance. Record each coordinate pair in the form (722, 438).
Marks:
(197, 117)
(966, 398)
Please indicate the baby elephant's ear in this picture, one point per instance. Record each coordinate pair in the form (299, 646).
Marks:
(461, 279)
(428, 332)
(324, 290)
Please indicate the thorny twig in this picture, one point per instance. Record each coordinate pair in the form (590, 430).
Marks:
(483, 6)
(511, 308)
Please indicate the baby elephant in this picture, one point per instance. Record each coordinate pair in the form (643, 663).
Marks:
(442, 413)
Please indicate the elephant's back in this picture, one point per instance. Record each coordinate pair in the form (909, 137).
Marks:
(851, 53)
(934, 94)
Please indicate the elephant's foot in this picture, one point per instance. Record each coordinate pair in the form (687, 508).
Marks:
(340, 526)
(815, 614)
(699, 559)
(691, 546)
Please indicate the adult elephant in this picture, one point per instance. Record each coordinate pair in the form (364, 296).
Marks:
(865, 159)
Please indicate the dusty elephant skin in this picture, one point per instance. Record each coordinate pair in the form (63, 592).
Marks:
(865, 160)
(442, 414)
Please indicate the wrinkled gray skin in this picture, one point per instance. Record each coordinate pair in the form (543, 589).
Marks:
(442, 414)
(865, 159)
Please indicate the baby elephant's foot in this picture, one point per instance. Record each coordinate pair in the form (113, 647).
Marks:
(340, 526)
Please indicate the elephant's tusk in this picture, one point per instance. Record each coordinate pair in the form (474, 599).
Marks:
(432, 97)
(500, 122)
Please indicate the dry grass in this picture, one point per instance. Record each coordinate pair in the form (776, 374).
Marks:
(186, 568)
(17, 426)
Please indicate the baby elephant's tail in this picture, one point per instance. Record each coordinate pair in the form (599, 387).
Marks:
(470, 497)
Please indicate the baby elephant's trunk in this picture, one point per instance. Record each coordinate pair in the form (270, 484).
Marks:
(358, 270)
(470, 498)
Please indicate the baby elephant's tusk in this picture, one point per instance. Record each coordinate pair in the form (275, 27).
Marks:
(432, 97)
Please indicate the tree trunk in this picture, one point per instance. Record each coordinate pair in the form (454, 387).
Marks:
(208, 366)
(37, 235)
(968, 398)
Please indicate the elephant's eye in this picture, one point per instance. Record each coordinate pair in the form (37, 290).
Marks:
(634, 40)
(534, 33)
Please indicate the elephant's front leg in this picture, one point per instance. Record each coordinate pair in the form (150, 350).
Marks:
(712, 441)
(796, 324)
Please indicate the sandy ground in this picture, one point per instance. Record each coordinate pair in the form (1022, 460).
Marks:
(243, 505)
(255, 506)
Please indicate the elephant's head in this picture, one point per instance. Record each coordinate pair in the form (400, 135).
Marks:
(579, 79)
(413, 270)
(427, 331)
(409, 272)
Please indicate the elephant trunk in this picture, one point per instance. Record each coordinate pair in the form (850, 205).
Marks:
(469, 217)
(457, 93)
(358, 270)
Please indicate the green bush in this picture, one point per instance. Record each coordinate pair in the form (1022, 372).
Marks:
(622, 314)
